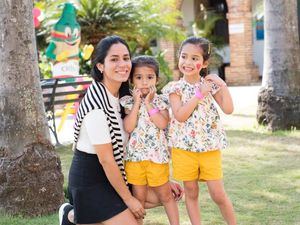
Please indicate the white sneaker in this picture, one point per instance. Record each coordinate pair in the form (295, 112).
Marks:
(63, 211)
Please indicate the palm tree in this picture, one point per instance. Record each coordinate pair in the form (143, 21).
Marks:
(97, 18)
(133, 20)
(279, 97)
(138, 22)
(30, 172)
(106, 17)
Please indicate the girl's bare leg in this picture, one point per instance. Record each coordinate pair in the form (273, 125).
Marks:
(140, 192)
(191, 190)
(219, 196)
(165, 196)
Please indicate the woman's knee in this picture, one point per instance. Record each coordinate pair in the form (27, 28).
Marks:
(165, 195)
(71, 216)
(152, 199)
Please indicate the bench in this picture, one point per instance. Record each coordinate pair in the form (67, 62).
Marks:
(62, 91)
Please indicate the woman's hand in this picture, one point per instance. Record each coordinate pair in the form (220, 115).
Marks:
(215, 79)
(135, 207)
(177, 190)
(150, 95)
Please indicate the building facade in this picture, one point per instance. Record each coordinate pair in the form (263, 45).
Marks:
(242, 31)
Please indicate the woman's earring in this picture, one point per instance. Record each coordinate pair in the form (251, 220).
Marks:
(99, 67)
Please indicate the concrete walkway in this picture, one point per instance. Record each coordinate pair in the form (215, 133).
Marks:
(245, 105)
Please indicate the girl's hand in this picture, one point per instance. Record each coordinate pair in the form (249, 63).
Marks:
(215, 79)
(136, 94)
(150, 95)
(204, 88)
(135, 207)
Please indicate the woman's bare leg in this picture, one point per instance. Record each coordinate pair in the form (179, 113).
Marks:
(124, 218)
(152, 199)
(71, 216)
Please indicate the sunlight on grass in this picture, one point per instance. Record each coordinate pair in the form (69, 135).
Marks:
(271, 196)
(261, 176)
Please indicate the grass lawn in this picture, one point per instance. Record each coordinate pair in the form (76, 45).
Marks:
(261, 176)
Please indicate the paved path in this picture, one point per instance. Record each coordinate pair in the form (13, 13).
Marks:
(245, 105)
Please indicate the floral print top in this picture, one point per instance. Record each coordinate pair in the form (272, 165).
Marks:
(146, 142)
(202, 131)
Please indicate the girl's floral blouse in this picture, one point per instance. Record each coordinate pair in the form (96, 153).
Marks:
(146, 142)
(203, 130)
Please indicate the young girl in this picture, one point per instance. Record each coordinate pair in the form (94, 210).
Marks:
(147, 153)
(196, 134)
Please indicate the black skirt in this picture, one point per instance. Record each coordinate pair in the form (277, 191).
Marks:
(90, 192)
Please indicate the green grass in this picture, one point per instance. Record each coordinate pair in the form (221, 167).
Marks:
(261, 176)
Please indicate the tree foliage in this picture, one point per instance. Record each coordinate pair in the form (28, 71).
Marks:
(138, 22)
(205, 24)
(203, 27)
(106, 17)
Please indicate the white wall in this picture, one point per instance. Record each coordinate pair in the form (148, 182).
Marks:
(258, 45)
(188, 13)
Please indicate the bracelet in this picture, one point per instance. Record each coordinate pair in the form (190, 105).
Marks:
(199, 95)
(153, 111)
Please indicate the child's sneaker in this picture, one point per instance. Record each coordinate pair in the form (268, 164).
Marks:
(64, 209)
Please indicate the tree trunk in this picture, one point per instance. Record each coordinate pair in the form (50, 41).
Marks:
(279, 98)
(31, 182)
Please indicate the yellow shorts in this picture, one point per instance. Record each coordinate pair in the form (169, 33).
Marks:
(188, 166)
(147, 172)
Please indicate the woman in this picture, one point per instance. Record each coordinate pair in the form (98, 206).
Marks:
(97, 181)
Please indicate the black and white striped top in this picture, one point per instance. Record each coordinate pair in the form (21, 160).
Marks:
(96, 97)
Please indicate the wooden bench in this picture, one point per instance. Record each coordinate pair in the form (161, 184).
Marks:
(62, 91)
